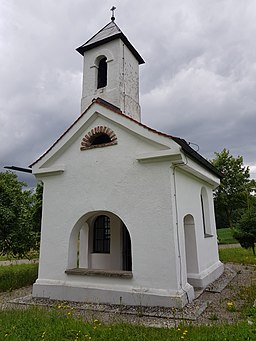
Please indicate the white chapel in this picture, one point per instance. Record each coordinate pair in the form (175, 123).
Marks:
(128, 212)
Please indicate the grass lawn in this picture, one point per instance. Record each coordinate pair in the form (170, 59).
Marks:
(39, 324)
(17, 276)
(225, 236)
(237, 255)
(63, 323)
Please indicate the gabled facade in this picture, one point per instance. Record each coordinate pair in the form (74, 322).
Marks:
(128, 213)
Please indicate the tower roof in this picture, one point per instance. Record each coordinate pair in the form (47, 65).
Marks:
(108, 33)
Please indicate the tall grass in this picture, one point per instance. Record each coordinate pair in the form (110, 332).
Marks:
(39, 324)
(17, 275)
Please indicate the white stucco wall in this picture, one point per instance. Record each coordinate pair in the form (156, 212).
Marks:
(111, 179)
(189, 203)
(130, 84)
(143, 195)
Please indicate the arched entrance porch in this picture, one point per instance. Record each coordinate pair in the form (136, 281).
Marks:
(100, 241)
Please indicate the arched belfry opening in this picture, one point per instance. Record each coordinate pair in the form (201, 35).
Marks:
(102, 73)
(100, 241)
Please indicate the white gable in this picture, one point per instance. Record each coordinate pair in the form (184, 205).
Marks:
(134, 138)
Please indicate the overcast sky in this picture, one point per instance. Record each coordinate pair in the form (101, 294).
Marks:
(198, 82)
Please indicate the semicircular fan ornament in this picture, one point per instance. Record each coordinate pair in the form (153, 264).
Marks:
(99, 136)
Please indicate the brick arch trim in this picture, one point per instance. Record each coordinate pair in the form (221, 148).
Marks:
(86, 142)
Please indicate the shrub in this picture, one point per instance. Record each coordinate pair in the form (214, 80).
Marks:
(245, 232)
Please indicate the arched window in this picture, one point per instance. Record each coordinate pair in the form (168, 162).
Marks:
(102, 73)
(101, 234)
(205, 213)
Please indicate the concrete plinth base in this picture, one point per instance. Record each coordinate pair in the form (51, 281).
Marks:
(206, 277)
(139, 297)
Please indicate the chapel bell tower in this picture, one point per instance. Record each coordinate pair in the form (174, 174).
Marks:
(111, 70)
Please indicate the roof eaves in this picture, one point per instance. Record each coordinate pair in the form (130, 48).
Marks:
(196, 156)
(184, 145)
(87, 46)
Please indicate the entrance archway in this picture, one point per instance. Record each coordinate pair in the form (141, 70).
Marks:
(101, 241)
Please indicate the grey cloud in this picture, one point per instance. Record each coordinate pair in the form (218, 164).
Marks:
(198, 81)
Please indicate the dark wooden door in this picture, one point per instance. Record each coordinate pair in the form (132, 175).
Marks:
(127, 250)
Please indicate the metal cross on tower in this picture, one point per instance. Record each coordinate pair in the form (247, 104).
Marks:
(113, 13)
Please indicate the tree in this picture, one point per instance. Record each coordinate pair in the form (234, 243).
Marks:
(234, 189)
(245, 232)
(16, 233)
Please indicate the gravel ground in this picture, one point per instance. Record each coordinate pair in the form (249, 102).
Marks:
(210, 307)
